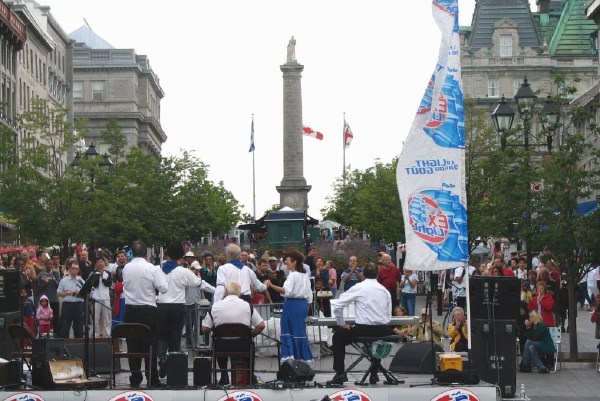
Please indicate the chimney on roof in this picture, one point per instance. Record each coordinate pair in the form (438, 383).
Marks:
(543, 6)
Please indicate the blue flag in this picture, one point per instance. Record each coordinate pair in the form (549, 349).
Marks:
(431, 168)
(252, 136)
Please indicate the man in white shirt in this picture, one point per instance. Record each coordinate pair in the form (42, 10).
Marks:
(171, 304)
(235, 270)
(373, 312)
(141, 281)
(232, 309)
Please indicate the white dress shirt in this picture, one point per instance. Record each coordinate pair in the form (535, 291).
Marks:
(232, 309)
(178, 279)
(372, 303)
(141, 280)
(245, 276)
(460, 289)
(297, 285)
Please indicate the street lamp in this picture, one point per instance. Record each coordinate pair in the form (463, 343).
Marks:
(106, 164)
(503, 117)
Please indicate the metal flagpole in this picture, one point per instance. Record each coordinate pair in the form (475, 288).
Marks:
(253, 175)
(344, 152)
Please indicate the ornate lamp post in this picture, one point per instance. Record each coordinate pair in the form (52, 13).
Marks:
(503, 117)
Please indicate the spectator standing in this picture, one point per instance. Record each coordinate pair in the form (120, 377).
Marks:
(48, 284)
(408, 286)
(101, 296)
(72, 306)
(389, 276)
(352, 275)
(44, 316)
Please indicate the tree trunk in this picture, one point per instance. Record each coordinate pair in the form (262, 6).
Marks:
(572, 280)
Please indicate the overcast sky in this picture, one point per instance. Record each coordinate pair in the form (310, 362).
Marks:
(218, 63)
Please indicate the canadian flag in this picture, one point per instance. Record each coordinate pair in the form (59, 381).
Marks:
(347, 135)
(312, 133)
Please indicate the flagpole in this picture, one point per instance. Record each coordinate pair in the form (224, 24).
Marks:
(253, 176)
(344, 152)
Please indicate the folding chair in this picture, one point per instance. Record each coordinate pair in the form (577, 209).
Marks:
(19, 334)
(233, 341)
(129, 331)
(556, 338)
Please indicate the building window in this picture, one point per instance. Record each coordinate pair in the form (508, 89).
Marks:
(98, 90)
(77, 90)
(506, 46)
(493, 88)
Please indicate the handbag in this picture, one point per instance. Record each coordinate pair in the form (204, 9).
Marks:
(324, 294)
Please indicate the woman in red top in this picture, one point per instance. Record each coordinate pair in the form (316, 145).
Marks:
(543, 304)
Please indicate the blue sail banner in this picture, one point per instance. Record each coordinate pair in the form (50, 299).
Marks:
(431, 168)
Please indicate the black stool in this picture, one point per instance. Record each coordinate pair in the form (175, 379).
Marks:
(364, 346)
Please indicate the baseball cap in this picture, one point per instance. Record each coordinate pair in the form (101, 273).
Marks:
(272, 258)
(196, 265)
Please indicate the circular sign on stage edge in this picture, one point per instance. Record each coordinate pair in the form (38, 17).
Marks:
(24, 397)
(456, 394)
(132, 395)
(349, 394)
(240, 395)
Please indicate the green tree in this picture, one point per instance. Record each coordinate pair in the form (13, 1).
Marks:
(113, 136)
(369, 201)
(33, 183)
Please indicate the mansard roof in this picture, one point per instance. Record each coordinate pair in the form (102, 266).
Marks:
(573, 33)
(85, 35)
(488, 12)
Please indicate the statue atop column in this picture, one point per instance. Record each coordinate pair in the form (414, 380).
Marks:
(291, 51)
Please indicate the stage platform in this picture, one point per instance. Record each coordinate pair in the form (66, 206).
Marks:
(415, 387)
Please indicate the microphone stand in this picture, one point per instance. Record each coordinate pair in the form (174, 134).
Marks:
(278, 350)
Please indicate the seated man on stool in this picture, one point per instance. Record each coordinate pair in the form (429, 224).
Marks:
(232, 309)
(373, 312)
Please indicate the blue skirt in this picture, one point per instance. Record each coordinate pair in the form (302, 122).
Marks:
(294, 342)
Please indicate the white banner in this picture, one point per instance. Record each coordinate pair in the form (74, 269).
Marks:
(431, 170)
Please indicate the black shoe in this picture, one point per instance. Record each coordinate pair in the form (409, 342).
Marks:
(338, 379)
(374, 378)
(224, 380)
(157, 384)
(134, 385)
(162, 368)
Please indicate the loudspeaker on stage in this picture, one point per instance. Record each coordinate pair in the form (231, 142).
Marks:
(294, 371)
(415, 357)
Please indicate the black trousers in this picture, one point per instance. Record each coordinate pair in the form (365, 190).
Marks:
(170, 326)
(72, 314)
(343, 337)
(146, 315)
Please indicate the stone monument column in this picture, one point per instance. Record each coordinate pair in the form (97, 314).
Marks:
(293, 191)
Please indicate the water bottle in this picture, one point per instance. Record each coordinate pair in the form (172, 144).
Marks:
(522, 393)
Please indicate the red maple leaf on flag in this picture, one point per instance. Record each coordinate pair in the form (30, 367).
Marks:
(312, 133)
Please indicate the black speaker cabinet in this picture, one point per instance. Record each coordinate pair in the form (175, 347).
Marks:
(10, 374)
(177, 369)
(494, 297)
(496, 356)
(417, 357)
(9, 290)
(294, 371)
(202, 372)
(6, 343)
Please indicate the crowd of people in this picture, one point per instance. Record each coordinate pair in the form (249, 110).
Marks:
(166, 296)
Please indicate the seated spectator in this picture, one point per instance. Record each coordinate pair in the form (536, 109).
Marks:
(458, 331)
(422, 330)
(539, 343)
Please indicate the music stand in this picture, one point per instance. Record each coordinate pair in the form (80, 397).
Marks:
(84, 293)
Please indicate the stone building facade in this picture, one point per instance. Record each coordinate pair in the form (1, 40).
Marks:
(507, 41)
(118, 84)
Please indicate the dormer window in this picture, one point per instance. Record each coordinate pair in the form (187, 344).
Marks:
(506, 46)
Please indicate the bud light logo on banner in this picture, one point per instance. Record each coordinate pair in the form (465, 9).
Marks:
(439, 219)
(456, 394)
(349, 395)
(132, 396)
(240, 396)
(24, 397)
